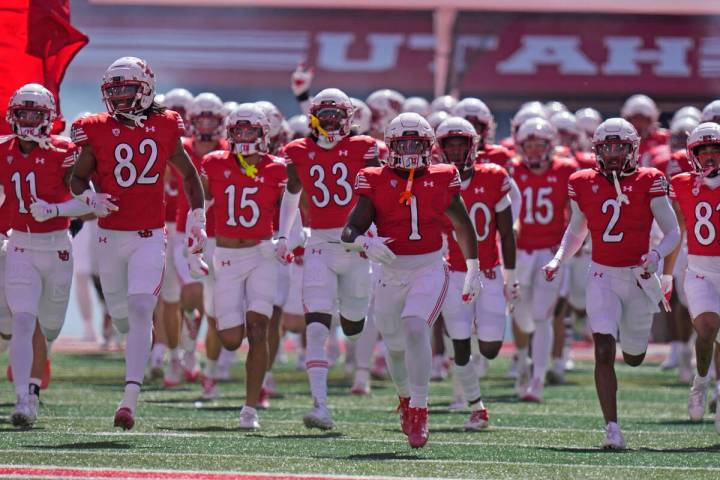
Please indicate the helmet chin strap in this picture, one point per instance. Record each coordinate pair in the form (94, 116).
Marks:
(621, 197)
(138, 120)
(43, 142)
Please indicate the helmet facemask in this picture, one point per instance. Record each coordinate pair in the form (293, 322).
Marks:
(331, 122)
(706, 159)
(410, 151)
(30, 123)
(616, 157)
(458, 150)
(247, 139)
(536, 152)
(207, 126)
(122, 96)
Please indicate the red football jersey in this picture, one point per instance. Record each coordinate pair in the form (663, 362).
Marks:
(244, 207)
(509, 144)
(620, 233)
(669, 162)
(496, 154)
(183, 206)
(327, 176)
(40, 174)
(488, 185)
(585, 160)
(416, 228)
(658, 137)
(171, 193)
(543, 215)
(130, 165)
(700, 205)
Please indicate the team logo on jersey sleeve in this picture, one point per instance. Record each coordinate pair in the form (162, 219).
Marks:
(595, 188)
(393, 183)
(227, 173)
(116, 132)
(311, 155)
(9, 159)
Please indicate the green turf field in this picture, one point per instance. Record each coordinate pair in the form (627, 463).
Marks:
(557, 439)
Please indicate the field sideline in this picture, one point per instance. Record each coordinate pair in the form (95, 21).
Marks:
(176, 436)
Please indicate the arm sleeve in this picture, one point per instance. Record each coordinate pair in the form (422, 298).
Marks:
(503, 203)
(515, 199)
(288, 211)
(667, 221)
(574, 235)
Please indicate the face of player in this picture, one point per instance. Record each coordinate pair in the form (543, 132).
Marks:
(642, 124)
(121, 96)
(613, 155)
(29, 118)
(410, 152)
(678, 141)
(245, 138)
(535, 152)
(709, 156)
(568, 139)
(332, 119)
(206, 124)
(457, 150)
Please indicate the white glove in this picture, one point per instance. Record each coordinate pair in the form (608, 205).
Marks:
(551, 269)
(301, 79)
(512, 288)
(649, 261)
(198, 267)
(100, 203)
(283, 254)
(43, 211)
(196, 236)
(472, 285)
(666, 283)
(376, 248)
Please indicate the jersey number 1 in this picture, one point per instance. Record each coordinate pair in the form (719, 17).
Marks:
(17, 180)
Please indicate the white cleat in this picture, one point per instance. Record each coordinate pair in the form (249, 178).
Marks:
(614, 439)
(360, 387)
(173, 375)
(535, 391)
(209, 389)
(698, 399)
(249, 419)
(26, 411)
(479, 420)
(319, 417)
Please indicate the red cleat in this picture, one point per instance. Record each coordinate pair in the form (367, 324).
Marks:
(403, 409)
(418, 432)
(124, 418)
(263, 399)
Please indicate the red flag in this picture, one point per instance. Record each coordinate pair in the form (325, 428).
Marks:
(37, 43)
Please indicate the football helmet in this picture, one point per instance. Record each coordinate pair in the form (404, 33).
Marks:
(707, 133)
(128, 88)
(409, 138)
(444, 103)
(525, 114)
(273, 115)
(31, 113)
(478, 114)
(362, 116)
(680, 129)
(616, 144)
(229, 106)
(331, 114)
(687, 111)
(552, 107)
(385, 105)
(178, 100)
(457, 142)
(300, 126)
(588, 119)
(535, 142)
(417, 105)
(205, 117)
(248, 129)
(711, 112)
(436, 118)
(569, 132)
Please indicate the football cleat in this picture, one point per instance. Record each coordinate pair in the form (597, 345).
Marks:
(479, 420)
(534, 393)
(698, 399)
(173, 374)
(249, 419)
(319, 417)
(361, 384)
(418, 429)
(614, 439)
(26, 411)
(263, 399)
(124, 418)
(379, 369)
(209, 389)
(403, 409)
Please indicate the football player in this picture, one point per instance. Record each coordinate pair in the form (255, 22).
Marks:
(641, 111)
(127, 150)
(617, 203)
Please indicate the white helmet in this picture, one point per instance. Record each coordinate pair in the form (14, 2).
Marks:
(205, 116)
(458, 127)
(248, 129)
(680, 129)
(331, 112)
(711, 112)
(444, 103)
(478, 114)
(707, 133)
(436, 118)
(533, 104)
(179, 100)
(300, 126)
(588, 119)
(569, 133)
(687, 111)
(128, 88)
(31, 113)
(362, 116)
(385, 105)
(612, 133)
(536, 128)
(160, 99)
(640, 104)
(552, 107)
(417, 105)
(273, 115)
(525, 114)
(229, 106)
(409, 138)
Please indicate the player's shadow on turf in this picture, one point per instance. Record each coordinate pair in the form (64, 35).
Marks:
(381, 456)
(113, 445)
(684, 421)
(583, 450)
(709, 449)
(214, 428)
(298, 436)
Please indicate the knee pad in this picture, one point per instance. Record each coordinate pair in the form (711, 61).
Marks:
(354, 308)
(352, 330)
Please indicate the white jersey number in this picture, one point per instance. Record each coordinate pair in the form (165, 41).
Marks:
(245, 202)
(482, 235)
(340, 170)
(17, 181)
(538, 209)
(703, 223)
(126, 172)
(414, 232)
(608, 236)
